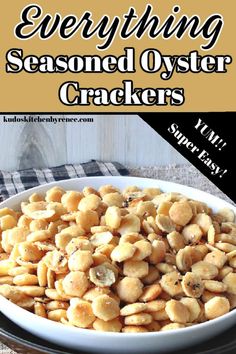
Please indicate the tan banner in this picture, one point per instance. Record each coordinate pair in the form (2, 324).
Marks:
(191, 73)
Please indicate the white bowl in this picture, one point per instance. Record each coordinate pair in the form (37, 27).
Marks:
(102, 342)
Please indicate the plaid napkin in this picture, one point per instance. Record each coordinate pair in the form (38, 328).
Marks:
(15, 182)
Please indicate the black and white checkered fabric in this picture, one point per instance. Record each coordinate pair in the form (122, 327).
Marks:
(15, 182)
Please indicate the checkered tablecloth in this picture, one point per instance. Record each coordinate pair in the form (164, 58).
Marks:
(15, 182)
